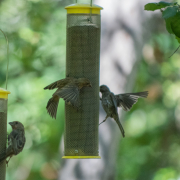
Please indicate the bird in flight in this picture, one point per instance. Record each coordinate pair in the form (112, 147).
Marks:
(111, 102)
(67, 89)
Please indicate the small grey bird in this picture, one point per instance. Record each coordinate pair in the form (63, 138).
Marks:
(16, 141)
(67, 89)
(111, 102)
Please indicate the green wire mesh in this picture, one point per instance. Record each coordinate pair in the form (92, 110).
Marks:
(82, 60)
(3, 136)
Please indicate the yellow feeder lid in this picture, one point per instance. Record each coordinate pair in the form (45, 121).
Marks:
(83, 9)
(4, 93)
(81, 157)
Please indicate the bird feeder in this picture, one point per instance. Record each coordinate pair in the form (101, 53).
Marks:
(3, 129)
(82, 60)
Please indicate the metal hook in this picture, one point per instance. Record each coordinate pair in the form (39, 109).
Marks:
(7, 57)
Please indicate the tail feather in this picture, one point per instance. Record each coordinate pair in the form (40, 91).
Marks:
(52, 106)
(116, 118)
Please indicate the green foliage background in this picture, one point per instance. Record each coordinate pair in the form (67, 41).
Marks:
(171, 15)
(36, 31)
(152, 149)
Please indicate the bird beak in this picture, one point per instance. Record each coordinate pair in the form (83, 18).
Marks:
(11, 123)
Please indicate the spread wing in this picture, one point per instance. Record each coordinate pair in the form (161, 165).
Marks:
(59, 83)
(70, 94)
(127, 100)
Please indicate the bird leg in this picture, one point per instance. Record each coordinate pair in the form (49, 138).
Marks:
(7, 161)
(104, 120)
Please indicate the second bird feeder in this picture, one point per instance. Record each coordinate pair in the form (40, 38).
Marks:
(3, 129)
(82, 60)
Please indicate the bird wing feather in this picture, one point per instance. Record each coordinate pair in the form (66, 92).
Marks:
(59, 83)
(115, 113)
(70, 94)
(127, 100)
(18, 140)
(113, 100)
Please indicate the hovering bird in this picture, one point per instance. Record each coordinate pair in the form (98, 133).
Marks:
(16, 141)
(111, 102)
(68, 89)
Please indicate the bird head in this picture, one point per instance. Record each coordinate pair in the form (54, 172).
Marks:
(16, 125)
(104, 88)
(84, 82)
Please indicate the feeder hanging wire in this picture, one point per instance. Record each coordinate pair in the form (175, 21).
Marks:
(91, 12)
(7, 57)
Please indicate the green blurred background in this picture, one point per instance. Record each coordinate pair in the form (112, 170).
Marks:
(37, 35)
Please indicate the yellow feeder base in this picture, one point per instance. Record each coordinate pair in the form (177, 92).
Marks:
(81, 157)
(4, 93)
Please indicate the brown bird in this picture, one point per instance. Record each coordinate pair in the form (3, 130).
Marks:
(16, 141)
(68, 89)
(111, 102)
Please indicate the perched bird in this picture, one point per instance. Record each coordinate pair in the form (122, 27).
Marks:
(111, 102)
(16, 141)
(68, 89)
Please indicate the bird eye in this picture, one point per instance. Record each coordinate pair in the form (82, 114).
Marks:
(16, 122)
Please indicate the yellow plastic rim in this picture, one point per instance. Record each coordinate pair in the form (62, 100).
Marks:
(81, 157)
(4, 93)
(83, 9)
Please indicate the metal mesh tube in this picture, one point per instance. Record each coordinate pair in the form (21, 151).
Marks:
(82, 60)
(3, 135)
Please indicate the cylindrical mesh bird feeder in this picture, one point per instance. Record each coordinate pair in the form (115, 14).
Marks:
(82, 61)
(3, 129)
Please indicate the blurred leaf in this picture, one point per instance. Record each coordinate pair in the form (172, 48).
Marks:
(168, 25)
(169, 12)
(175, 24)
(155, 6)
(178, 39)
(165, 174)
(165, 4)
